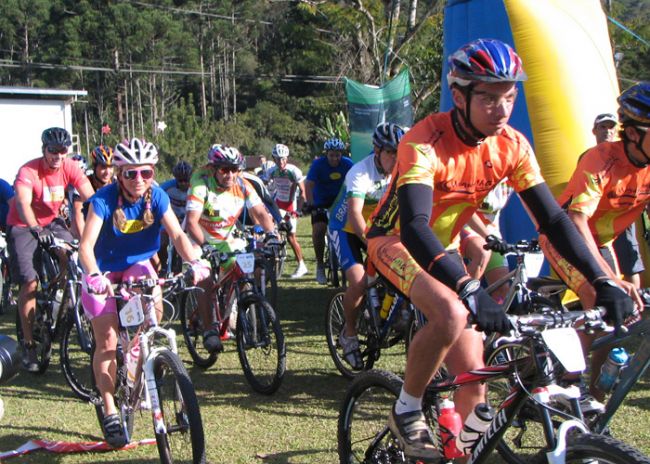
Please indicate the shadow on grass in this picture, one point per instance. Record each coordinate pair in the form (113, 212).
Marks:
(289, 456)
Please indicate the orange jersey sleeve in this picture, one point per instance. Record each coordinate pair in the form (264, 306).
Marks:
(608, 189)
(460, 176)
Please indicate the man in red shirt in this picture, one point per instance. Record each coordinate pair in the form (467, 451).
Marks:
(33, 217)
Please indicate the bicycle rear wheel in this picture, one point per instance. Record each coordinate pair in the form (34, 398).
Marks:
(260, 345)
(363, 433)
(183, 440)
(75, 351)
(193, 329)
(601, 449)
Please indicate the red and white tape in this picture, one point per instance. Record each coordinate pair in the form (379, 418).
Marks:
(69, 447)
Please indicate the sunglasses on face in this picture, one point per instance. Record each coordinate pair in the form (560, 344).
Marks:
(226, 169)
(57, 150)
(131, 174)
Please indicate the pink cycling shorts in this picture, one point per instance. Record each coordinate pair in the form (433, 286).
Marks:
(97, 305)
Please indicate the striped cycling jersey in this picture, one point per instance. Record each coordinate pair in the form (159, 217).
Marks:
(608, 189)
(461, 176)
(284, 184)
(220, 208)
(363, 181)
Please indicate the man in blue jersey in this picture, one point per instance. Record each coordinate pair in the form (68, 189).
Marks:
(324, 179)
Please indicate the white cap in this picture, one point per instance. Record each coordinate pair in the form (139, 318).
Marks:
(605, 117)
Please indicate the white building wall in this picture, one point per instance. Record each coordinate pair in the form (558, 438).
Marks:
(21, 123)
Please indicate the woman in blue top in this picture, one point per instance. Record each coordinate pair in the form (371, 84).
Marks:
(121, 234)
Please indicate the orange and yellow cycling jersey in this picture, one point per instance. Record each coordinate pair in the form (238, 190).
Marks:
(608, 189)
(461, 176)
(220, 208)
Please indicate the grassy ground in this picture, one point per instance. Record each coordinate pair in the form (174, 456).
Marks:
(296, 425)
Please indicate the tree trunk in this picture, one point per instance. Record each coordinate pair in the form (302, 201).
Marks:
(413, 11)
(119, 97)
(137, 85)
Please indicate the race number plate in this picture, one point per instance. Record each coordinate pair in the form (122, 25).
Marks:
(131, 313)
(565, 345)
(246, 262)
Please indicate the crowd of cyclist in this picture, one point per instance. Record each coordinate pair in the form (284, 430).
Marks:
(415, 206)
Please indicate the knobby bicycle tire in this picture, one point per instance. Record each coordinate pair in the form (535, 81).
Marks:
(602, 449)
(260, 344)
(75, 358)
(184, 440)
(192, 326)
(362, 431)
(334, 320)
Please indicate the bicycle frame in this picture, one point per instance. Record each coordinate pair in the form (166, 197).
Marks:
(543, 391)
(148, 352)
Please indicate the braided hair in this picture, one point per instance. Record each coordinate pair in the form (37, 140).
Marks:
(119, 218)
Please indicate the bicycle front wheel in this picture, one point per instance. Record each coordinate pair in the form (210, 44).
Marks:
(183, 440)
(75, 351)
(601, 449)
(260, 345)
(363, 433)
(193, 329)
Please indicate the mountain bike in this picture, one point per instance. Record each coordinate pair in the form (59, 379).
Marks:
(157, 379)
(523, 447)
(77, 338)
(238, 304)
(364, 436)
(333, 272)
(58, 314)
(375, 332)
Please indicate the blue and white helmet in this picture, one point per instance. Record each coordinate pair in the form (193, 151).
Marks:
(334, 143)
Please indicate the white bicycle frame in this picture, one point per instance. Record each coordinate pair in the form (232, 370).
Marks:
(148, 355)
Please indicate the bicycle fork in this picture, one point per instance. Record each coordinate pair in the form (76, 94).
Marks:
(151, 389)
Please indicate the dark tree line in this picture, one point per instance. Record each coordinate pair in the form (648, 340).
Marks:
(245, 72)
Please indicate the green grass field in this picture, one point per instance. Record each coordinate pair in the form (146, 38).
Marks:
(296, 425)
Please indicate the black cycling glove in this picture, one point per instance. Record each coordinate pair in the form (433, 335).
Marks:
(306, 208)
(494, 243)
(488, 314)
(271, 237)
(613, 298)
(44, 237)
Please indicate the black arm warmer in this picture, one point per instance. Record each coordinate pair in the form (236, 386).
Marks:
(415, 202)
(555, 223)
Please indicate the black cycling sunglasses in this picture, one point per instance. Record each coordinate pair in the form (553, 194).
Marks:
(57, 150)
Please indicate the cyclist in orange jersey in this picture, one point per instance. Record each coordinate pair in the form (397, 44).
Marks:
(608, 191)
(446, 165)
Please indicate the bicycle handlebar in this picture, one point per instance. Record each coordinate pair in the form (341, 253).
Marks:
(521, 247)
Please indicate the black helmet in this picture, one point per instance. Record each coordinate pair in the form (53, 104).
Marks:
(387, 135)
(56, 138)
(182, 170)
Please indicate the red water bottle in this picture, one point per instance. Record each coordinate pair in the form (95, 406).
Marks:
(450, 424)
